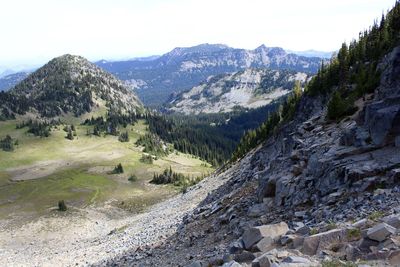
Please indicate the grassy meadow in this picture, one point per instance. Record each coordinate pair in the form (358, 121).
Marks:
(42, 171)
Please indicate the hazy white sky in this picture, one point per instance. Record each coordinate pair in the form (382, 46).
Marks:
(34, 31)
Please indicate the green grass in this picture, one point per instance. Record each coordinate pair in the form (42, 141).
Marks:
(78, 171)
(76, 187)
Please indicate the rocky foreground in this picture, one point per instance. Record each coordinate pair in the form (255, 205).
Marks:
(316, 193)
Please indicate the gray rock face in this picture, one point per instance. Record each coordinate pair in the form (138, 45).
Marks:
(232, 264)
(253, 235)
(393, 220)
(380, 232)
(380, 118)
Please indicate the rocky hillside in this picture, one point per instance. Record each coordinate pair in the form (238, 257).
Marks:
(68, 84)
(250, 88)
(183, 68)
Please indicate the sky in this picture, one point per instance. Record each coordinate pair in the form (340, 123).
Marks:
(34, 31)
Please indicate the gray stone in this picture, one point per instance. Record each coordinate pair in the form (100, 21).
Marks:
(296, 259)
(352, 253)
(393, 220)
(365, 244)
(265, 244)
(313, 244)
(252, 235)
(379, 117)
(380, 232)
(287, 239)
(397, 141)
(361, 223)
(232, 264)
(265, 260)
(257, 210)
(394, 258)
(244, 256)
(236, 247)
(195, 264)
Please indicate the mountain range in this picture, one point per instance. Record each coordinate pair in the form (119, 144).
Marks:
(184, 67)
(155, 78)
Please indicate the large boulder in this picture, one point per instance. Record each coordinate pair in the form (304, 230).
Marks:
(380, 232)
(252, 235)
(314, 243)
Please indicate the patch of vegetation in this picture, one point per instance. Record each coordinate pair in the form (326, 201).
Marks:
(354, 234)
(338, 263)
(118, 169)
(331, 225)
(111, 123)
(8, 143)
(354, 71)
(339, 107)
(132, 178)
(146, 158)
(38, 128)
(314, 231)
(376, 215)
(62, 206)
(211, 137)
(123, 137)
(153, 145)
(177, 179)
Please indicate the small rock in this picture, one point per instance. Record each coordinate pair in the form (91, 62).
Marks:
(380, 232)
(265, 260)
(244, 256)
(257, 210)
(300, 214)
(296, 259)
(286, 239)
(393, 220)
(232, 264)
(236, 247)
(394, 258)
(265, 244)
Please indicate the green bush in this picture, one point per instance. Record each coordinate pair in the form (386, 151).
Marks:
(7, 144)
(339, 107)
(62, 206)
(148, 159)
(132, 178)
(124, 137)
(118, 169)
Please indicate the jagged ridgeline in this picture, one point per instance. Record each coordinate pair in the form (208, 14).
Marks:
(68, 85)
(352, 74)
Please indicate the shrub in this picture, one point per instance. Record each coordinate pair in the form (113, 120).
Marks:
(124, 137)
(7, 143)
(118, 169)
(62, 206)
(148, 159)
(132, 178)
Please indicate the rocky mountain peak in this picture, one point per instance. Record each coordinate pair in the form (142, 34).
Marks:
(73, 84)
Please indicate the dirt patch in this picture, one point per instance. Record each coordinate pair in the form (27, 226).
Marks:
(38, 170)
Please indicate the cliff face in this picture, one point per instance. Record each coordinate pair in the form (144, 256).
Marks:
(315, 176)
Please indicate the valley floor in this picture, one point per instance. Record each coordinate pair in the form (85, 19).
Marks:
(83, 236)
